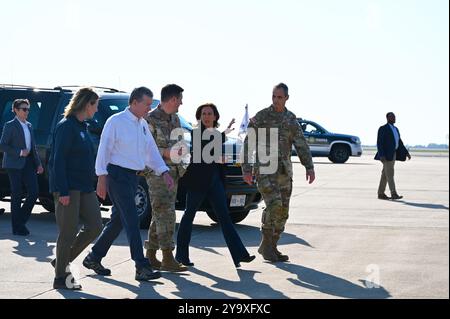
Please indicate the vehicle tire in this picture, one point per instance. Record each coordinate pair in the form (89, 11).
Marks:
(212, 215)
(47, 203)
(339, 153)
(143, 206)
(236, 217)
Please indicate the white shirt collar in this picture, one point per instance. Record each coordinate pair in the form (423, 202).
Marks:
(23, 123)
(130, 115)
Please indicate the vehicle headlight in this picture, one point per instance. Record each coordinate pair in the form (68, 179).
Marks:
(356, 140)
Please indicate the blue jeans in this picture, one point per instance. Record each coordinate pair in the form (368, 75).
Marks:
(18, 177)
(122, 186)
(218, 200)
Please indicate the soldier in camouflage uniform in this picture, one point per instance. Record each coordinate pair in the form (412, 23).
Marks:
(275, 187)
(162, 121)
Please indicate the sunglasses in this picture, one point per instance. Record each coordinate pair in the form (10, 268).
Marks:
(25, 109)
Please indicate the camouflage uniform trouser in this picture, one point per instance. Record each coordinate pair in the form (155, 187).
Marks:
(162, 227)
(276, 190)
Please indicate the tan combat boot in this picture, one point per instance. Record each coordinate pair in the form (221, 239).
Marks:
(280, 256)
(154, 262)
(266, 246)
(170, 264)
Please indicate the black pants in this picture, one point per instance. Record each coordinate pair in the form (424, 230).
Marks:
(218, 200)
(18, 177)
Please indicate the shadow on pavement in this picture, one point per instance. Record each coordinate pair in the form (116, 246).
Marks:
(42, 241)
(423, 205)
(144, 290)
(39, 249)
(246, 285)
(68, 294)
(188, 289)
(209, 237)
(331, 285)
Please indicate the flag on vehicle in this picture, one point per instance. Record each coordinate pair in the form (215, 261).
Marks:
(244, 123)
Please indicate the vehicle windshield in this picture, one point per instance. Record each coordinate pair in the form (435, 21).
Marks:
(109, 107)
(312, 128)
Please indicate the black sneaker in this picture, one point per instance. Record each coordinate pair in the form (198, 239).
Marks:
(63, 283)
(383, 196)
(146, 273)
(96, 266)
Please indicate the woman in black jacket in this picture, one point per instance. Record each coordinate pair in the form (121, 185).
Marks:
(205, 178)
(72, 173)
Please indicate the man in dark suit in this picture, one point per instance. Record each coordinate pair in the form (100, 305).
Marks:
(390, 148)
(22, 162)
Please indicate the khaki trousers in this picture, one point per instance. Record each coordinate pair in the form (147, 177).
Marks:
(387, 177)
(72, 242)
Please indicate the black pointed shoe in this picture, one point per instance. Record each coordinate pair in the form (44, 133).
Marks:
(185, 262)
(245, 259)
(23, 231)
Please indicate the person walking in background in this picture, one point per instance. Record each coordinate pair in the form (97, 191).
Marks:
(276, 187)
(22, 163)
(161, 123)
(71, 176)
(126, 147)
(390, 148)
(204, 179)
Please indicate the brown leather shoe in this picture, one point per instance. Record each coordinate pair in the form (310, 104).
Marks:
(383, 196)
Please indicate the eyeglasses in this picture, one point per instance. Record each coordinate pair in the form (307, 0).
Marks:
(25, 109)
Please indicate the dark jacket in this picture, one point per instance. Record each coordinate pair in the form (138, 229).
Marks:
(386, 145)
(12, 142)
(72, 158)
(198, 176)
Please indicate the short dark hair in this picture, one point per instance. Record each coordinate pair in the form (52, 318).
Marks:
(18, 102)
(138, 94)
(284, 87)
(389, 113)
(198, 113)
(169, 91)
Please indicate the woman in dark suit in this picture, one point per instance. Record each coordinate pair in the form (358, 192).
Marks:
(21, 161)
(205, 178)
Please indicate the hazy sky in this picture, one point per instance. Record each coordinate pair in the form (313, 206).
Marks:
(346, 62)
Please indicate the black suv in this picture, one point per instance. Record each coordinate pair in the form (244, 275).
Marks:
(337, 147)
(47, 106)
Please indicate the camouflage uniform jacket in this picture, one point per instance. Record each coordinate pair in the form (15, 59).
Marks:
(289, 133)
(161, 125)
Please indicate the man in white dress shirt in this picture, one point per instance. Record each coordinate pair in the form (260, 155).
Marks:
(126, 147)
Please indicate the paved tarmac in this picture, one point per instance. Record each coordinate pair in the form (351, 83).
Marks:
(342, 242)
